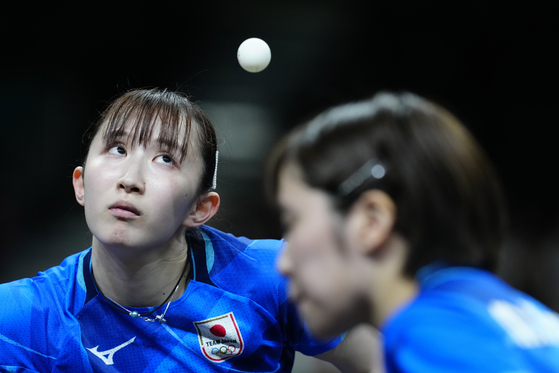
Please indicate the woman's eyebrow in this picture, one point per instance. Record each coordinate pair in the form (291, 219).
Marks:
(168, 143)
(116, 134)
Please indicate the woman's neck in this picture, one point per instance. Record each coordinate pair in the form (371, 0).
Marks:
(390, 288)
(398, 292)
(140, 278)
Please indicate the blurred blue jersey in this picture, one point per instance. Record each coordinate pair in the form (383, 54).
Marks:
(468, 320)
(233, 317)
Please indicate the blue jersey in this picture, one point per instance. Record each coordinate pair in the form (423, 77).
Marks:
(233, 317)
(468, 320)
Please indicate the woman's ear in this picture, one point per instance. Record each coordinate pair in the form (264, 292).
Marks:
(372, 219)
(203, 211)
(77, 181)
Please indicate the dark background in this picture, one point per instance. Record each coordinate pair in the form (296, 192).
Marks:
(492, 63)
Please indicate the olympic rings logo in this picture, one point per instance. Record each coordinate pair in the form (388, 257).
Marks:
(224, 350)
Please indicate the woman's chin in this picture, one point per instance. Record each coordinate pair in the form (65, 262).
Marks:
(320, 323)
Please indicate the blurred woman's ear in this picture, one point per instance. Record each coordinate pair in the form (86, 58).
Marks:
(372, 217)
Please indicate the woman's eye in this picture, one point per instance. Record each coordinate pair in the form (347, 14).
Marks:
(286, 223)
(165, 158)
(117, 150)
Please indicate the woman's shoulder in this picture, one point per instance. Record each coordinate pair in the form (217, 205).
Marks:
(48, 289)
(462, 313)
(243, 265)
(36, 315)
(227, 248)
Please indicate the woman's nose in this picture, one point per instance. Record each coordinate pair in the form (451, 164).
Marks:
(132, 179)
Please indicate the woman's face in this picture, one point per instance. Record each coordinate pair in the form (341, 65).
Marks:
(138, 195)
(318, 259)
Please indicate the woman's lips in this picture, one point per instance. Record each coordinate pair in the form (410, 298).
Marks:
(124, 210)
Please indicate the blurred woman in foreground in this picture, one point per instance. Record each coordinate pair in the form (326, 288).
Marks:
(394, 217)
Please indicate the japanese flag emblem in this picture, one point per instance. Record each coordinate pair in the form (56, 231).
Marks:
(220, 337)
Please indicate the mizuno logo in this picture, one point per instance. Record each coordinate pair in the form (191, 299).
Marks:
(108, 360)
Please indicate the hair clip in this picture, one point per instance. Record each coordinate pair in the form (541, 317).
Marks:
(214, 181)
(372, 168)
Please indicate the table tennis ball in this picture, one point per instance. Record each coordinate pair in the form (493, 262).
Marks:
(254, 55)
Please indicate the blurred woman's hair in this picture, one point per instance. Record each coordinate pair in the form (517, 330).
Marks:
(448, 198)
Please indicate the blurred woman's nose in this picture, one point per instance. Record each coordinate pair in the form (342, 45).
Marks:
(284, 263)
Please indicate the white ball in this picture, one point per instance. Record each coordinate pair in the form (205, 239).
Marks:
(254, 55)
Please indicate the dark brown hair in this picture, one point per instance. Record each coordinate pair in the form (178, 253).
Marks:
(176, 112)
(448, 198)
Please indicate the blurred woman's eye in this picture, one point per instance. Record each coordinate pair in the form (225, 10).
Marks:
(287, 222)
